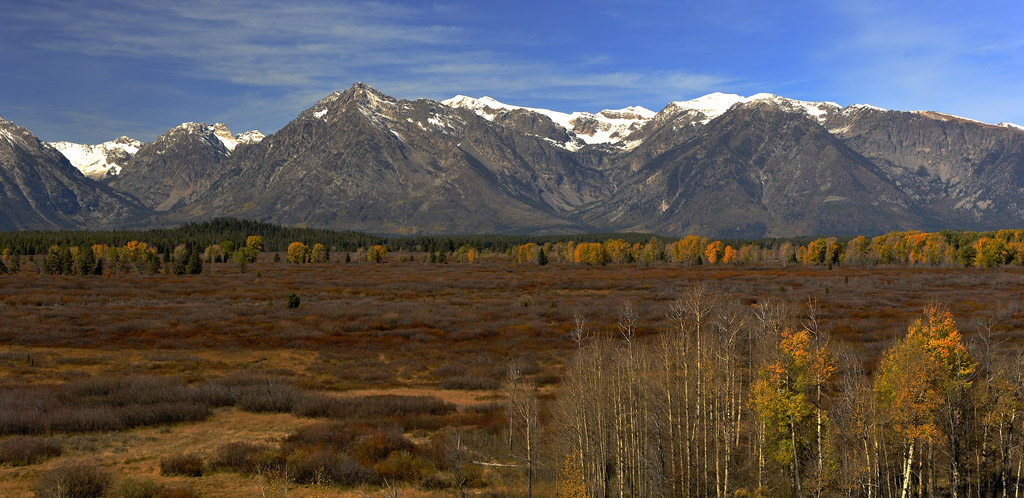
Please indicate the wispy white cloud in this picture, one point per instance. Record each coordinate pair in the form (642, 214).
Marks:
(950, 57)
(300, 49)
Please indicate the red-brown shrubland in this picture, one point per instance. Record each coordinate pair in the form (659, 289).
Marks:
(108, 353)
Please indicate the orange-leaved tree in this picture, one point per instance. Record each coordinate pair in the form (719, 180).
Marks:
(917, 376)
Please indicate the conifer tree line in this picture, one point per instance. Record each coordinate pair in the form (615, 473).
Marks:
(748, 401)
(276, 238)
(225, 236)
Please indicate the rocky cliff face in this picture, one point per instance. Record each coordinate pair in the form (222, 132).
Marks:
(40, 189)
(966, 172)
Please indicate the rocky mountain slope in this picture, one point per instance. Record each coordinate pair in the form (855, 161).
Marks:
(720, 165)
(180, 164)
(40, 189)
(359, 159)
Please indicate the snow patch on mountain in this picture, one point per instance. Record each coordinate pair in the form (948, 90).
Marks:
(1004, 124)
(100, 160)
(7, 136)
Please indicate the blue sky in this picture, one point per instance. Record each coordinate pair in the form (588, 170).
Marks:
(90, 71)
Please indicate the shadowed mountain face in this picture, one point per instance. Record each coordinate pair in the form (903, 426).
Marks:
(362, 160)
(176, 167)
(756, 171)
(722, 165)
(40, 189)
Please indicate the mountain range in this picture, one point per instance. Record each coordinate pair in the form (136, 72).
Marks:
(721, 165)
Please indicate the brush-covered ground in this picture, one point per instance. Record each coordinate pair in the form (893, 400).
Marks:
(386, 380)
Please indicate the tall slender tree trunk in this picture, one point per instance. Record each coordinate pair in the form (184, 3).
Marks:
(671, 409)
(1016, 491)
(821, 464)
(796, 460)
(867, 461)
(906, 469)
(687, 432)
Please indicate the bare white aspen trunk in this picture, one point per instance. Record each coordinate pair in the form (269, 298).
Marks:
(906, 469)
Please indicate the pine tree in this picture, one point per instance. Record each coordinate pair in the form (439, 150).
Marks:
(67, 263)
(194, 266)
(86, 261)
(542, 259)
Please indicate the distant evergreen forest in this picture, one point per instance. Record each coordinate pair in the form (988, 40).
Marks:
(276, 238)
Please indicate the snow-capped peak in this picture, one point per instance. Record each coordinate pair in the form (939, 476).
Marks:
(250, 137)
(867, 106)
(98, 161)
(224, 135)
(221, 133)
(631, 112)
(716, 104)
(484, 106)
(610, 126)
(711, 105)
(1011, 125)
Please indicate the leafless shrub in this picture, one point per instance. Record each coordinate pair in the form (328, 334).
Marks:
(238, 456)
(182, 464)
(97, 404)
(73, 479)
(305, 467)
(24, 450)
(470, 383)
(378, 406)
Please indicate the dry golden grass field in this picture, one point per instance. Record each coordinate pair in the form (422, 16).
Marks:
(394, 355)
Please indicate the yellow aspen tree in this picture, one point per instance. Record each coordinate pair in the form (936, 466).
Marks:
(858, 251)
(914, 378)
(589, 253)
(254, 246)
(748, 253)
(319, 253)
(990, 252)
(653, 250)
(779, 398)
(570, 477)
(298, 253)
(617, 251)
(376, 253)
